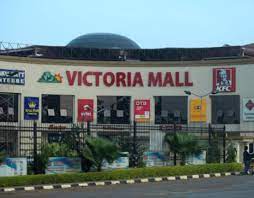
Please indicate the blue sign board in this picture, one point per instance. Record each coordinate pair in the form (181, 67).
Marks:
(13, 77)
(31, 108)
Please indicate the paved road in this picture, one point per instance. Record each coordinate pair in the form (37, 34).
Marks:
(231, 186)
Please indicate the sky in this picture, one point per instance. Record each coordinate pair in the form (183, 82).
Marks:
(150, 23)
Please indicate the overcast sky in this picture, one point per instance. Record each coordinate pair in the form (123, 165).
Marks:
(151, 23)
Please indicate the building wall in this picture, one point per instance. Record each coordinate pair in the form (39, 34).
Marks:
(201, 76)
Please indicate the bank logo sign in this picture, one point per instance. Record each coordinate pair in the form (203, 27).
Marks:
(31, 108)
(12, 77)
(224, 80)
(248, 109)
(48, 77)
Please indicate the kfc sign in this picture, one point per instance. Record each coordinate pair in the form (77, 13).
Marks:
(224, 80)
(85, 110)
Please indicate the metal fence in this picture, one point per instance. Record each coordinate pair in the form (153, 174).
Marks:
(26, 139)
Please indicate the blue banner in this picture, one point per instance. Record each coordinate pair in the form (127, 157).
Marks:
(31, 108)
(13, 77)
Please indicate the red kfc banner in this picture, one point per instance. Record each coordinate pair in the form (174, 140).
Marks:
(224, 80)
(142, 110)
(85, 110)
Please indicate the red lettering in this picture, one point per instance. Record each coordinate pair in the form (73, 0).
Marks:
(186, 80)
(138, 80)
(97, 78)
(168, 80)
(120, 79)
(178, 83)
(128, 79)
(106, 76)
(154, 80)
(79, 78)
(71, 78)
(85, 81)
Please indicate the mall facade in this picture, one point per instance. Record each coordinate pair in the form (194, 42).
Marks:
(216, 91)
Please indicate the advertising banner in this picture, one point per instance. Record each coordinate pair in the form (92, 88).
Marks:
(57, 165)
(248, 109)
(31, 108)
(155, 158)
(198, 112)
(13, 77)
(120, 162)
(13, 167)
(85, 110)
(142, 110)
(224, 80)
(197, 159)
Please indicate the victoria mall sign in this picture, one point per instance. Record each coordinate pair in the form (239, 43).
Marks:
(129, 79)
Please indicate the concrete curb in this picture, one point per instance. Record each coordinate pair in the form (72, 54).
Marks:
(114, 182)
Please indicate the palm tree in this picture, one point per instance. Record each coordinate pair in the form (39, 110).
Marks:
(97, 150)
(183, 144)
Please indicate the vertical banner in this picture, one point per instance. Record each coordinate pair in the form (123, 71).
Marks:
(142, 110)
(224, 80)
(85, 110)
(31, 108)
(248, 109)
(198, 112)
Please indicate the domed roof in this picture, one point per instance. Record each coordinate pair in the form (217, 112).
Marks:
(103, 41)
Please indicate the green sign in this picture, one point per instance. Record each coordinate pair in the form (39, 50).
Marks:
(48, 77)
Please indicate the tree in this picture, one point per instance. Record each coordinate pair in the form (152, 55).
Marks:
(96, 150)
(231, 153)
(2, 157)
(183, 144)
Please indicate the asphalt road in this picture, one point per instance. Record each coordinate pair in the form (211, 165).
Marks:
(231, 186)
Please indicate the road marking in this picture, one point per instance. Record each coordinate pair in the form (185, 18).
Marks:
(99, 183)
(66, 186)
(9, 189)
(47, 187)
(131, 181)
(183, 177)
(157, 179)
(28, 188)
(227, 174)
(206, 175)
(144, 180)
(115, 182)
(217, 174)
(171, 178)
(83, 184)
(195, 176)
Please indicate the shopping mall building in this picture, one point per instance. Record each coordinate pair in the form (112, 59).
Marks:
(109, 79)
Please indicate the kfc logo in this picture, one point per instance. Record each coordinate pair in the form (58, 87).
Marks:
(224, 79)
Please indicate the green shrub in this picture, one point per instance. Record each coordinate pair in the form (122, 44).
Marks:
(118, 174)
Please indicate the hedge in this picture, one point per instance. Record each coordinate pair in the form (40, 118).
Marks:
(118, 174)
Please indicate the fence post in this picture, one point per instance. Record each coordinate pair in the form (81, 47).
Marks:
(209, 133)
(134, 142)
(174, 151)
(88, 128)
(224, 144)
(35, 148)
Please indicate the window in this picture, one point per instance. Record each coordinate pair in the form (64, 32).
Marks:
(226, 109)
(57, 109)
(171, 109)
(9, 107)
(113, 109)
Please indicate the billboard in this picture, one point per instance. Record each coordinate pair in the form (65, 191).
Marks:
(248, 109)
(224, 80)
(198, 110)
(120, 162)
(31, 108)
(142, 110)
(13, 167)
(13, 77)
(57, 165)
(85, 110)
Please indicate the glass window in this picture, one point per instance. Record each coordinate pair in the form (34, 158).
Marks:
(57, 109)
(171, 109)
(9, 107)
(226, 109)
(113, 109)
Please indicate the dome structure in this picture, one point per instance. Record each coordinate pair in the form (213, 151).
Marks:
(103, 41)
